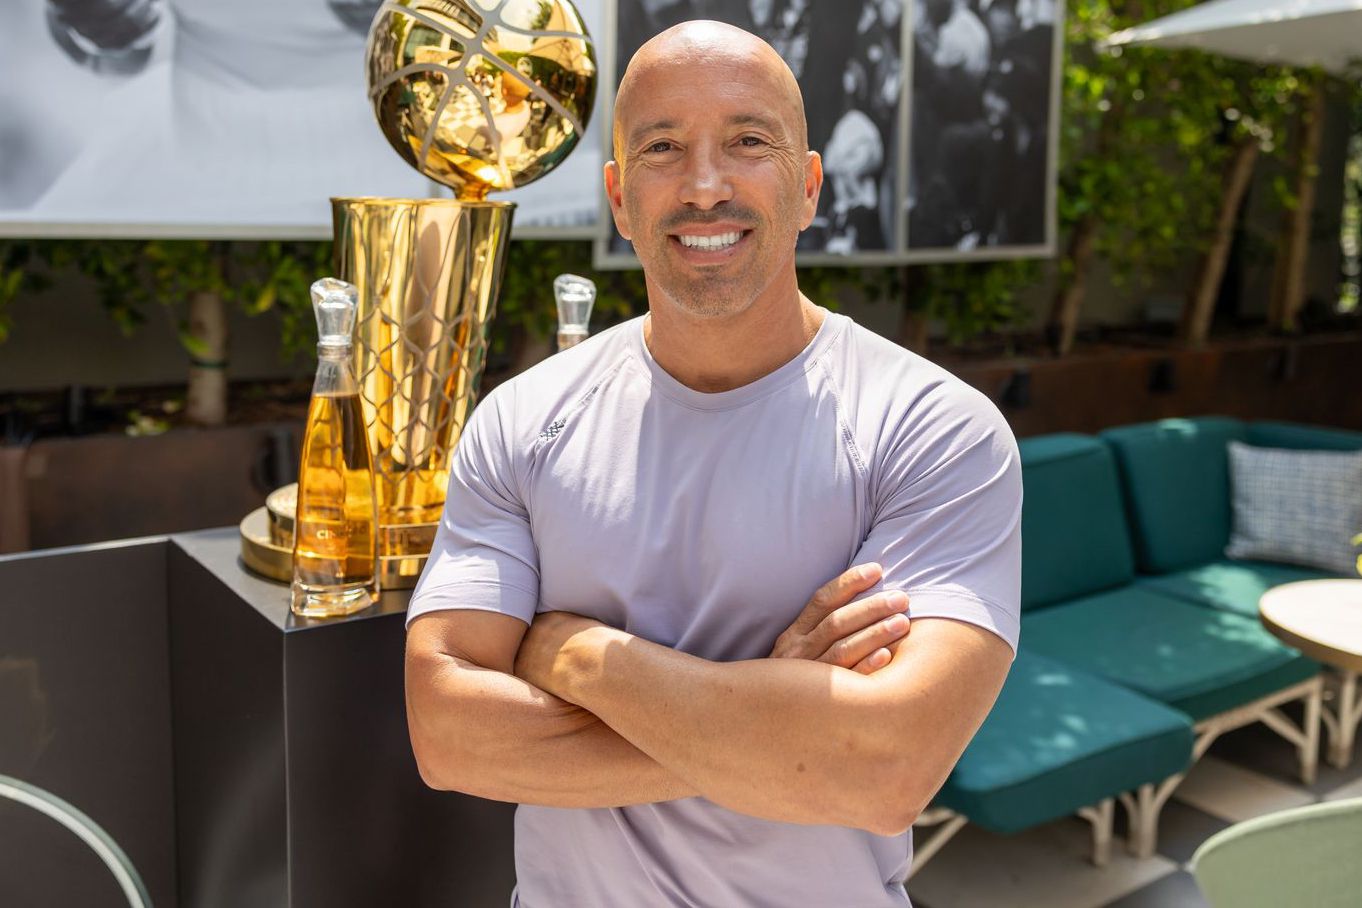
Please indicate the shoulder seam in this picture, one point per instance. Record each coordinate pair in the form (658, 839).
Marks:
(843, 423)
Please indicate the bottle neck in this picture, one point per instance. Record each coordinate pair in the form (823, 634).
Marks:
(335, 371)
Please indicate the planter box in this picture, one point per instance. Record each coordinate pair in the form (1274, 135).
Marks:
(96, 487)
(1309, 380)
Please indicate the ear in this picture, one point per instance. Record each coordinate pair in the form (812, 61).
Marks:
(813, 184)
(614, 193)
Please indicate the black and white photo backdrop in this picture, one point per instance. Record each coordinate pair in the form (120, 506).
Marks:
(847, 58)
(983, 112)
(203, 118)
(937, 120)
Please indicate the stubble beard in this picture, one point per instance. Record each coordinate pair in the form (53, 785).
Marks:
(709, 296)
(716, 295)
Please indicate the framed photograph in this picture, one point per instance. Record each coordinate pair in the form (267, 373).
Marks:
(848, 59)
(199, 118)
(983, 129)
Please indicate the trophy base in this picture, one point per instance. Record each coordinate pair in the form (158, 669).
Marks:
(267, 544)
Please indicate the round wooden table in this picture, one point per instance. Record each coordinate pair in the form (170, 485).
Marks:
(1323, 619)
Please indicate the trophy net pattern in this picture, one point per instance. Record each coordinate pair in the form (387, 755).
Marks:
(428, 275)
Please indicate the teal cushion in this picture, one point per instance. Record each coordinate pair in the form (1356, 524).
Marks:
(1201, 661)
(1294, 435)
(1232, 586)
(1074, 532)
(1175, 474)
(1059, 739)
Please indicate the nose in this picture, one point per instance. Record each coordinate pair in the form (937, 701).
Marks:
(706, 182)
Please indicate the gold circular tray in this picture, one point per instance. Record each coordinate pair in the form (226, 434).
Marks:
(397, 540)
(282, 504)
(269, 558)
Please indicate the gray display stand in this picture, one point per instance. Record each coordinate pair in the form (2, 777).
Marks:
(237, 754)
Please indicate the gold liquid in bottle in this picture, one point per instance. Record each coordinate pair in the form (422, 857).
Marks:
(335, 546)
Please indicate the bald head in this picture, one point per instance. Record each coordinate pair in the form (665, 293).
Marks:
(713, 179)
(684, 51)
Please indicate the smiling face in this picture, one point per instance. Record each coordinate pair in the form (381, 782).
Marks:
(712, 178)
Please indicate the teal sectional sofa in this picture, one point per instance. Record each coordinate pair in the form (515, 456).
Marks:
(1140, 641)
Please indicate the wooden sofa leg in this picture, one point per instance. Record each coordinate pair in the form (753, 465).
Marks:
(1150, 807)
(1343, 720)
(1309, 752)
(1102, 816)
(950, 822)
(1306, 738)
(1133, 819)
(1143, 811)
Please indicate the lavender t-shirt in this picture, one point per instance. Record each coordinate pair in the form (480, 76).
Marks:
(597, 483)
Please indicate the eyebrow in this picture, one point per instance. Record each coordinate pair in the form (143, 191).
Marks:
(755, 120)
(735, 120)
(652, 126)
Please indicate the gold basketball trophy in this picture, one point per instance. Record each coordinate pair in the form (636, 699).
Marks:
(481, 96)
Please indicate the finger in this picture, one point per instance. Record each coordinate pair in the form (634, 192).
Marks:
(855, 616)
(836, 593)
(874, 662)
(851, 650)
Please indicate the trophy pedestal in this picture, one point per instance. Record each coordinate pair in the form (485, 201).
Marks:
(237, 754)
(267, 543)
(294, 778)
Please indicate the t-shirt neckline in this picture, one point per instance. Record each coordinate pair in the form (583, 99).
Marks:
(736, 397)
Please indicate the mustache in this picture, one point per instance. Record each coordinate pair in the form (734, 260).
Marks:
(746, 217)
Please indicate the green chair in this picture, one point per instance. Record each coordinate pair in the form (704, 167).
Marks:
(1304, 856)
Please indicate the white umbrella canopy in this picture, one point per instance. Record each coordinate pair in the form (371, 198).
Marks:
(1325, 33)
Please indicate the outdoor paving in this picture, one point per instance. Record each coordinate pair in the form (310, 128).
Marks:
(1247, 773)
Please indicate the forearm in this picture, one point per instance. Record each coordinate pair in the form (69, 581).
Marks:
(782, 739)
(490, 734)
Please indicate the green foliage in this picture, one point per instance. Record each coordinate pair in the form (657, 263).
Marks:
(18, 275)
(826, 284)
(1147, 132)
(132, 275)
(284, 273)
(527, 305)
(113, 266)
(977, 298)
(969, 298)
(1350, 231)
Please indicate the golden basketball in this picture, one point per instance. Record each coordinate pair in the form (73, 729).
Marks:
(481, 95)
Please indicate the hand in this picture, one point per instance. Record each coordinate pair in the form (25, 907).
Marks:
(541, 655)
(855, 635)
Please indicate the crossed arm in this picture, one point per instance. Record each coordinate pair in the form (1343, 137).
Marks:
(572, 713)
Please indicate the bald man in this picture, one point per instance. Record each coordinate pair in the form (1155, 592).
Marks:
(615, 628)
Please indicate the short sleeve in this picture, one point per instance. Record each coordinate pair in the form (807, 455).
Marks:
(484, 556)
(946, 524)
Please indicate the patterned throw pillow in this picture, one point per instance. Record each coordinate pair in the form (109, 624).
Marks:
(1300, 507)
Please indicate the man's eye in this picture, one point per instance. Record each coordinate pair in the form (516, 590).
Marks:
(751, 141)
(660, 147)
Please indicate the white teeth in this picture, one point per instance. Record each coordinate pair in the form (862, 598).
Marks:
(722, 241)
